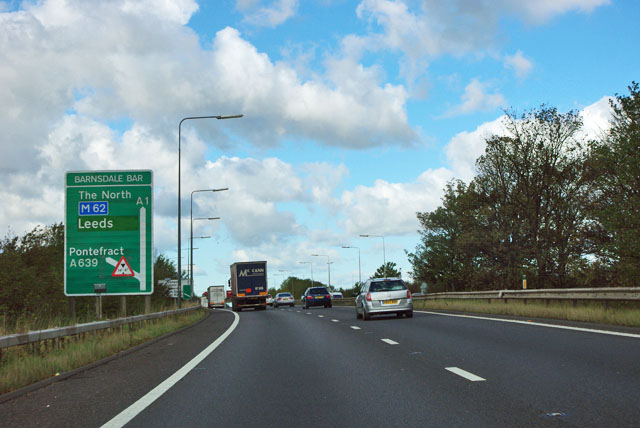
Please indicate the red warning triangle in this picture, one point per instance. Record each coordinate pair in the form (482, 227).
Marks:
(122, 268)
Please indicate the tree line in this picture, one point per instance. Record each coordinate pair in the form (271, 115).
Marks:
(546, 203)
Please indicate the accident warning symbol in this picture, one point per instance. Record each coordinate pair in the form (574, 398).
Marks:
(122, 268)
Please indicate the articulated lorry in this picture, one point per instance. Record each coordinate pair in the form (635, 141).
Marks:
(216, 296)
(249, 285)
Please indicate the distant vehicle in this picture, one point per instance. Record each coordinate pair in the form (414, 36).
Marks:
(269, 300)
(283, 299)
(216, 296)
(384, 296)
(336, 295)
(316, 296)
(249, 285)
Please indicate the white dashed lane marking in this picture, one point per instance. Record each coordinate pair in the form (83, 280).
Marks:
(355, 327)
(465, 374)
(389, 341)
(335, 320)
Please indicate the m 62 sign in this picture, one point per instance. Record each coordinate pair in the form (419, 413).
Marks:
(108, 241)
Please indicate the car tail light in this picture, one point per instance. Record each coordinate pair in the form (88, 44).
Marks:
(328, 296)
(368, 297)
(408, 294)
(309, 297)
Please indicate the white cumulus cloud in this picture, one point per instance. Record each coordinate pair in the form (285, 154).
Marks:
(269, 16)
(477, 98)
(519, 64)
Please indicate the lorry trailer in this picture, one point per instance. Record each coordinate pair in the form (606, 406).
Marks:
(216, 296)
(249, 285)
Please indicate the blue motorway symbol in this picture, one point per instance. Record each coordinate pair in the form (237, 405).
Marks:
(93, 208)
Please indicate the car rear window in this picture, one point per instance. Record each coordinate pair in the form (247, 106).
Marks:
(318, 291)
(284, 294)
(387, 286)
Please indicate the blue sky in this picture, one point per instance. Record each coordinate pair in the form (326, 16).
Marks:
(357, 113)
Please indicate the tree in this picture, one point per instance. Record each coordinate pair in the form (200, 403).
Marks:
(522, 213)
(532, 186)
(447, 257)
(31, 273)
(163, 268)
(387, 270)
(615, 198)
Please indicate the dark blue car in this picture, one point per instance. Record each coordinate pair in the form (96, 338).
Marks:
(316, 296)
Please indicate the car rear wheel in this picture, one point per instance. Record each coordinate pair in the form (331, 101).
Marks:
(409, 314)
(358, 315)
(365, 315)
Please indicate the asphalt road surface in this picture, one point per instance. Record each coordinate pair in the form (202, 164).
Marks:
(319, 367)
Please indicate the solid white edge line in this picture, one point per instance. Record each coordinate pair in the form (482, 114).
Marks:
(465, 374)
(133, 410)
(389, 341)
(563, 327)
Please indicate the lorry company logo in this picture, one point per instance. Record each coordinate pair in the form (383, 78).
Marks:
(251, 272)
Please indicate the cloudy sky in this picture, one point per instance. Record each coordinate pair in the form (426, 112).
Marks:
(356, 113)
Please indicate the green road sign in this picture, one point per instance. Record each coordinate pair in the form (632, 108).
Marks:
(186, 292)
(108, 241)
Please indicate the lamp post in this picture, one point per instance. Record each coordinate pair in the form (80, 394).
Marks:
(359, 271)
(328, 268)
(191, 246)
(311, 265)
(384, 257)
(191, 229)
(180, 195)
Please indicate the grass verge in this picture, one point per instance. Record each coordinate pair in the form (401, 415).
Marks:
(24, 365)
(616, 313)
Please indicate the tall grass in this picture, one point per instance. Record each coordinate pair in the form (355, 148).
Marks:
(41, 321)
(23, 365)
(616, 313)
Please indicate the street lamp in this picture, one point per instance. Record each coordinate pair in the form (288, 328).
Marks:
(180, 195)
(191, 229)
(359, 271)
(191, 252)
(384, 257)
(191, 246)
(328, 267)
(311, 265)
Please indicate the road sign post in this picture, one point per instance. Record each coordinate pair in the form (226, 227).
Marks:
(108, 233)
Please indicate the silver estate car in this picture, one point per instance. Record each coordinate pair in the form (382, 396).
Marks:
(282, 299)
(384, 296)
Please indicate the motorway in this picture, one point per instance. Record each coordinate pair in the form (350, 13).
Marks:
(319, 367)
